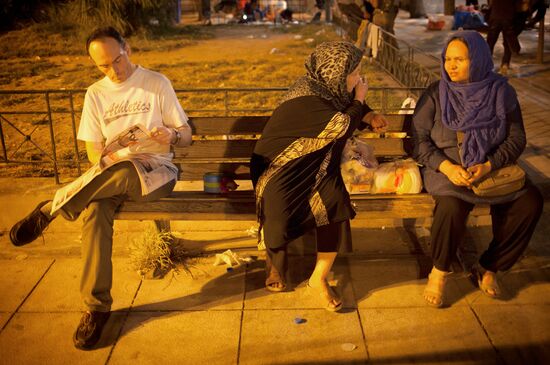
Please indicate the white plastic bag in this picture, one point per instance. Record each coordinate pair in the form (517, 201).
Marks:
(408, 105)
(400, 177)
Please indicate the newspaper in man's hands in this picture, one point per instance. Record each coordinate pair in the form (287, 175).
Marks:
(151, 159)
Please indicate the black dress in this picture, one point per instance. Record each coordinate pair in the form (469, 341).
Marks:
(295, 168)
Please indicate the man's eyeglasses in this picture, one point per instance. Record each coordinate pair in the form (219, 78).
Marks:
(116, 61)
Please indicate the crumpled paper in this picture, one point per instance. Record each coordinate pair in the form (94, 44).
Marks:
(231, 259)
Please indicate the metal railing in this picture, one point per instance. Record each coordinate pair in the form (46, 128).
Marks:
(408, 65)
(30, 132)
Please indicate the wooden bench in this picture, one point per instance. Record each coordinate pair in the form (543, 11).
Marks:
(225, 144)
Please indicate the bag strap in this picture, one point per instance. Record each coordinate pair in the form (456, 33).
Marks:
(460, 139)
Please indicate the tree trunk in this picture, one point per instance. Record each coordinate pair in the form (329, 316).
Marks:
(449, 7)
(416, 8)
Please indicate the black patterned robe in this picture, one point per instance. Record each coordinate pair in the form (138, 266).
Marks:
(295, 167)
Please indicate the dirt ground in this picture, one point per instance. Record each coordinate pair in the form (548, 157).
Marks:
(236, 56)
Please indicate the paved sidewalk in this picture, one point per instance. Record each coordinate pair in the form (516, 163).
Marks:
(210, 315)
(215, 316)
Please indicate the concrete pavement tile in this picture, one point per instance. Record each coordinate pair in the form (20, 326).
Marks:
(179, 338)
(520, 333)
(59, 290)
(523, 284)
(52, 244)
(18, 279)
(297, 295)
(272, 337)
(4, 316)
(425, 336)
(206, 287)
(395, 283)
(46, 338)
(383, 241)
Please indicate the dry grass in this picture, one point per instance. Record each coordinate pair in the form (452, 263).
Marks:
(154, 254)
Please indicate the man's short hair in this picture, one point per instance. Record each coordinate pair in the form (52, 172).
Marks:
(104, 32)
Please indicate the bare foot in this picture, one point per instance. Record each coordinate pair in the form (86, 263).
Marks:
(329, 299)
(277, 286)
(489, 284)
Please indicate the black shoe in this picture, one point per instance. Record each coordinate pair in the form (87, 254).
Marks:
(89, 329)
(29, 228)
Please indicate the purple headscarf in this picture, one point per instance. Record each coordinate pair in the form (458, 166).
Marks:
(478, 108)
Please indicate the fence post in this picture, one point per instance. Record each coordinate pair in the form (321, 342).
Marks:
(384, 100)
(226, 103)
(540, 44)
(77, 153)
(52, 137)
(409, 66)
(4, 149)
(328, 11)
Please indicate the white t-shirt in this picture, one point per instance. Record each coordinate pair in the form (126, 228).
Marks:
(146, 97)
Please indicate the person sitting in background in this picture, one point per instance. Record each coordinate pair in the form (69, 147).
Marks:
(274, 8)
(253, 12)
(472, 99)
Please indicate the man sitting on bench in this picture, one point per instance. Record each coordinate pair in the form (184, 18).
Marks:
(128, 94)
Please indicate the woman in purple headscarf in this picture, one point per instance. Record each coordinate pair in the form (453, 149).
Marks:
(471, 99)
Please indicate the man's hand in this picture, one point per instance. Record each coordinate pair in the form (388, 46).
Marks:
(455, 173)
(478, 171)
(94, 150)
(163, 135)
(377, 121)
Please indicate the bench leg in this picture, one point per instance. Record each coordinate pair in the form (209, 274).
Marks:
(162, 225)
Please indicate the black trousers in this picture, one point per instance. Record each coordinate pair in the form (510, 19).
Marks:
(513, 225)
(329, 239)
(509, 34)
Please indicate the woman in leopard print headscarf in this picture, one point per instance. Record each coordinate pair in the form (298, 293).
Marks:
(295, 167)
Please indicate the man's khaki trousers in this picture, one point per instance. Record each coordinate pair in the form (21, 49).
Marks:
(98, 201)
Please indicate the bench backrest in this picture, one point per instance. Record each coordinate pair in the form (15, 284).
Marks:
(225, 144)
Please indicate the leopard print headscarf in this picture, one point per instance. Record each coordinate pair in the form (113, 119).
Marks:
(327, 69)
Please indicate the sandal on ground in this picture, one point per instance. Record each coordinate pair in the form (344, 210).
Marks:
(490, 289)
(275, 280)
(435, 288)
(275, 286)
(327, 298)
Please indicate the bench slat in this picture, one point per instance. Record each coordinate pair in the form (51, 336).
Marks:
(195, 171)
(219, 149)
(228, 125)
(255, 124)
(203, 206)
(399, 122)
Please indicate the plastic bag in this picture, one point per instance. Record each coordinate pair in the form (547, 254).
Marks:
(408, 105)
(356, 149)
(358, 165)
(400, 177)
(357, 178)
